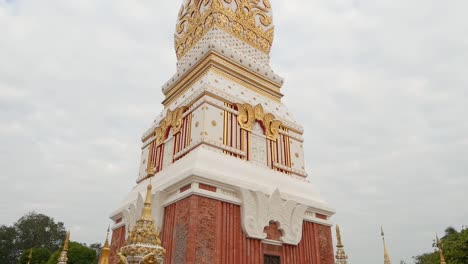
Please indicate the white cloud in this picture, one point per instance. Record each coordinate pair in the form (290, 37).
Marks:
(380, 87)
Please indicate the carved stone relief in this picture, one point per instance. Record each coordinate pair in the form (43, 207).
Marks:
(258, 210)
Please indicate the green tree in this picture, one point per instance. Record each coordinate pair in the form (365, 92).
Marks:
(38, 231)
(39, 256)
(428, 258)
(7, 244)
(77, 254)
(454, 245)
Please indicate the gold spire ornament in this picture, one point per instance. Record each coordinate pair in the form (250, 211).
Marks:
(386, 255)
(105, 250)
(441, 252)
(30, 256)
(63, 255)
(143, 245)
(341, 257)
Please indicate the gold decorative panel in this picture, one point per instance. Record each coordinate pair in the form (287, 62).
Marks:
(172, 120)
(248, 115)
(248, 20)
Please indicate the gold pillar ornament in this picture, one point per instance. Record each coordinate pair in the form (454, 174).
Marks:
(105, 250)
(341, 257)
(143, 244)
(64, 254)
(441, 252)
(386, 255)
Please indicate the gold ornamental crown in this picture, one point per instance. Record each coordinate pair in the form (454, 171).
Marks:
(251, 21)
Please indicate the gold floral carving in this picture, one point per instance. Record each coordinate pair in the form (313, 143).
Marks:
(151, 258)
(248, 115)
(121, 259)
(172, 120)
(236, 17)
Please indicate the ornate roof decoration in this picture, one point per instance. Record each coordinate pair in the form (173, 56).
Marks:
(248, 115)
(341, 257)
(441, 252)
(105, 250)
(143, 244)
(386, 255)
(63, 255)
(249, 21)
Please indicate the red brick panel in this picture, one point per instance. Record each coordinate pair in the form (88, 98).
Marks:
(325, 244)
(117, 241)
(199, 230)
(168, 230)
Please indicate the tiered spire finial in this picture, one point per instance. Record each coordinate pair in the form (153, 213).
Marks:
(341, 257)
(105, 250)
(441, 252)
(63, 255)
(386, 255)
(143, 243)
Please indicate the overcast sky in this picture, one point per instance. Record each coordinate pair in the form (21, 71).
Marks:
(380, 86)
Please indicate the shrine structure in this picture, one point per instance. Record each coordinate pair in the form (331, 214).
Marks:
(225, 156)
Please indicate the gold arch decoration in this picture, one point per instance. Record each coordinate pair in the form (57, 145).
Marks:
(249, 114)
(236, 17)
(172, 120)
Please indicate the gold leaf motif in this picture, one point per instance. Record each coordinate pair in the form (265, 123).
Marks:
(172, 120)
(248, 115)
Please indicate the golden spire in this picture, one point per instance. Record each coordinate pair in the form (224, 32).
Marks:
(144, 235)
(386, 255)
(341, 257)
(147, 211)
(105, 250)
(30, 256)
(441, 252)
(63, 255)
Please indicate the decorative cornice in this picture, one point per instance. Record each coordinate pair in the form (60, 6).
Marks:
(228, 69)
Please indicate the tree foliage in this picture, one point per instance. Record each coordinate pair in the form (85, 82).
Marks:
(31, 231)
(454, 245)
(77, 254)
(39, 231)
(39, 256)
(7, 241)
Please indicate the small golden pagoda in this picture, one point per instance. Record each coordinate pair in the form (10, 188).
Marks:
(441, 252)
(386, 255)
(63, 255)
(143, 245)
(105, 251)
(341, 257)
